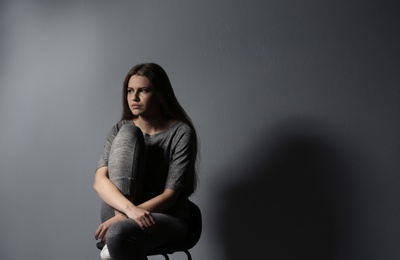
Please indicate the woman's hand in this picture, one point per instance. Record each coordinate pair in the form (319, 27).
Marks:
(143, 218)
(102, 229)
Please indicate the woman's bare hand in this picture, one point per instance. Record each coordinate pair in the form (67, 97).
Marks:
(143, 218)
(102, 229)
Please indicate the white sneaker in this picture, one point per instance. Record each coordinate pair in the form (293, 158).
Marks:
(104, 254)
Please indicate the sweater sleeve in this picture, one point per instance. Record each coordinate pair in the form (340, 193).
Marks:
(181, 171)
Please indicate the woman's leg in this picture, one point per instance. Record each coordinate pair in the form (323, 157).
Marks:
(126, 240)
(125, 164)
(126, 161)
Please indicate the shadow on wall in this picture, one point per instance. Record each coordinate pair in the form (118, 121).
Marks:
(291, 200)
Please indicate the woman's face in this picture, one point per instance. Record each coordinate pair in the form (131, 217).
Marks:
(142, 97)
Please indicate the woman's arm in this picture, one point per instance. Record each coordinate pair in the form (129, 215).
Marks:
(161, 202)
(111, 195)
(108, 192)
(102, 229)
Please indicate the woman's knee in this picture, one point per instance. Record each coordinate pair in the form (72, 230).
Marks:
(129, 138)
(123, 231)
(131, 131)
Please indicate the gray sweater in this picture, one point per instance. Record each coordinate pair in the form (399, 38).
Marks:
(170, 164)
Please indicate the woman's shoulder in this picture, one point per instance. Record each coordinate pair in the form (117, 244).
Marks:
(175, 130)
(181, 127)
(183, 132)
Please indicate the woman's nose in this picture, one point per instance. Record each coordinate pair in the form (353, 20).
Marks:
(135, 96)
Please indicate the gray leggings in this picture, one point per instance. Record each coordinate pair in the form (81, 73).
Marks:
(125, 239)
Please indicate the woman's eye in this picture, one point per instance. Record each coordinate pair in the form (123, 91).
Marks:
(130, 91)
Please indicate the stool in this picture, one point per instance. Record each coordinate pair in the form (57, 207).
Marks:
(193, 236)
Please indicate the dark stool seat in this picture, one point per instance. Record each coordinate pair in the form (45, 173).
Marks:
(193, 236)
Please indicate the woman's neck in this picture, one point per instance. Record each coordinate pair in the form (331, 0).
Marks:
(153, 125)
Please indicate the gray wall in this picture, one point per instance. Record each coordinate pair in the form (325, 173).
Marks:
(296, 104)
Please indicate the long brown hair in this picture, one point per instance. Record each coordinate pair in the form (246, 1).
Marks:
(170, 104)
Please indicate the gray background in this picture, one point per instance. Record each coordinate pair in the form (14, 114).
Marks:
(296, 104)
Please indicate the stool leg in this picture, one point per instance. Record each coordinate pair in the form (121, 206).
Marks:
(189, 256)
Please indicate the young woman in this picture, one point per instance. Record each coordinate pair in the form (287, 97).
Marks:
(147, 169)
